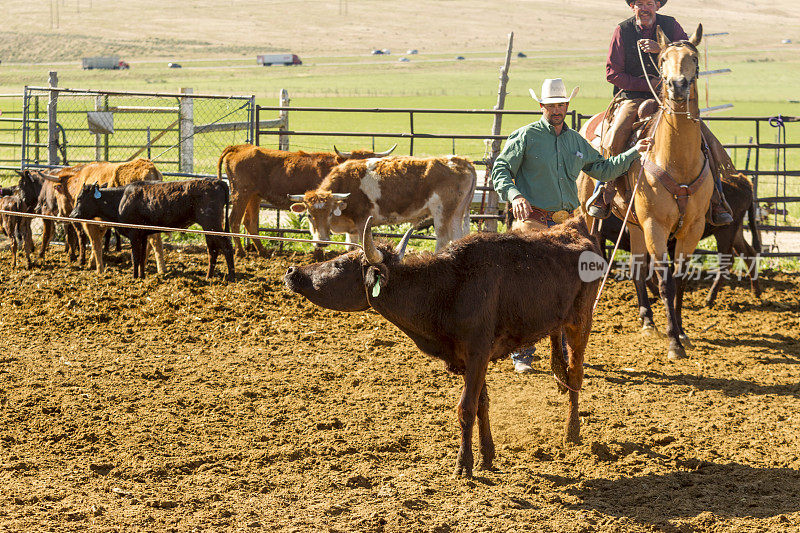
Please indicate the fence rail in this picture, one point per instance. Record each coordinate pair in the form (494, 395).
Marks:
(167, 127)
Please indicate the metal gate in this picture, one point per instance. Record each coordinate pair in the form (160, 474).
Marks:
(182, 133)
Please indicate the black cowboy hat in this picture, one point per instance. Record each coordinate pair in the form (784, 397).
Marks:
(661, 3)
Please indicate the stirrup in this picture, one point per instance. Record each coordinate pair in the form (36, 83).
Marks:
(720, 217)
(596, 206)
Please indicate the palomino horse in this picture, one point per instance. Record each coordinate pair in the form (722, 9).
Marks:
(674, 191)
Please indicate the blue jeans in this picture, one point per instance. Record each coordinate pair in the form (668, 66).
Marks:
(526, 355)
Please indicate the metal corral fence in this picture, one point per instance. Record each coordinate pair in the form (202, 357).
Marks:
(421, 132)
(10, 131)
(774, 165)
(182, 133)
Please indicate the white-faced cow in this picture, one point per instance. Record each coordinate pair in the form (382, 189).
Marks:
(68, 185)
(392, 190)
(482, 297)
(173, 204)
(257, 174)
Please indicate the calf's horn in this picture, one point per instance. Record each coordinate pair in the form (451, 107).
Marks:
(373, 255)
(387, 152)
(401, 247)
(340, 195)
(342, 154)
(296, 197)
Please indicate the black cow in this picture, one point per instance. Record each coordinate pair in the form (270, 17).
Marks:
(174, 204)
(482, 297)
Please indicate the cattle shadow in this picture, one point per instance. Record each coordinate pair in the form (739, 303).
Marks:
(728, 491)
(728, 387)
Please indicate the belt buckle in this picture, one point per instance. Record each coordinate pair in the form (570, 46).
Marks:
(560, 216)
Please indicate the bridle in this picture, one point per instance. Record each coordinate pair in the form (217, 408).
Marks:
(663, 104)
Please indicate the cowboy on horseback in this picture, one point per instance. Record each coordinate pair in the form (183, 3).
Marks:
(632, 100)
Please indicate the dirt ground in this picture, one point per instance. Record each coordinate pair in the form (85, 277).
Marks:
(175, 403)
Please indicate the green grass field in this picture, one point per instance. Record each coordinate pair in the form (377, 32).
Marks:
(434, 81)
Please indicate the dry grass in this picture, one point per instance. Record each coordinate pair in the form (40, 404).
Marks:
(167, 28)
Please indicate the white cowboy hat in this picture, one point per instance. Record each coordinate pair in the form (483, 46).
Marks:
(554, 92)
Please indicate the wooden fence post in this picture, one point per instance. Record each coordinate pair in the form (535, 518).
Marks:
(493, 199)
(52, 122)
(186, 132)
(283, 140)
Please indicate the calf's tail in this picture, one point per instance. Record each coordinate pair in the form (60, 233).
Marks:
(227, 201)
(222, 157)
(753, 223)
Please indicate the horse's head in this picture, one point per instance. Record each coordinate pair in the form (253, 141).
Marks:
(679, 63)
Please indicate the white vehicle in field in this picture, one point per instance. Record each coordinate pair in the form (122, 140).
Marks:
(266, 60)
(110, 62)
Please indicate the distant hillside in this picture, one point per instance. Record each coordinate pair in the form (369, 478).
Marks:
(41, 47)
(161, 28)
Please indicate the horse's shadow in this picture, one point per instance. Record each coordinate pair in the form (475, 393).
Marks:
(772, 343)
(729, 387)
(726, 490)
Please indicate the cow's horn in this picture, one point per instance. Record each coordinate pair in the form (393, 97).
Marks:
(50, 177)
(401, 247)
(296, 197)
(373, 255)
(345, 155)
(340, 195)
(387, 152)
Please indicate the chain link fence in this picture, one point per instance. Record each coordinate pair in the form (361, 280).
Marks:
(182, 133)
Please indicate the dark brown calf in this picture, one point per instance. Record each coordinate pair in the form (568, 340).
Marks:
(174, 204)
(482, 297)
(18, 229)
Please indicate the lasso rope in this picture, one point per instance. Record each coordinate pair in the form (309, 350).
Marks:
(624, 221)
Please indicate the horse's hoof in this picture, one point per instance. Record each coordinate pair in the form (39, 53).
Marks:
(676, 353)
(685, 341)
(651, 332)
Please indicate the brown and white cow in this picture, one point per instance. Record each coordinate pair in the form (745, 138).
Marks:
(256, 173)
(392, 190)
(68, 186)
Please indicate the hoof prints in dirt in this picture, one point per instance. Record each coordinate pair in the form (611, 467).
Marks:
(176, 402)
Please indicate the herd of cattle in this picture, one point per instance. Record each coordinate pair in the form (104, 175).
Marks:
(485, 296)
(339, 190)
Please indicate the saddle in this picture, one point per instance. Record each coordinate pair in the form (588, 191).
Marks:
(620, 195)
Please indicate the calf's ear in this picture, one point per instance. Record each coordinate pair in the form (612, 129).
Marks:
(298, 207)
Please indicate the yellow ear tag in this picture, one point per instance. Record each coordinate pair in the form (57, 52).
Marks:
(376, 289)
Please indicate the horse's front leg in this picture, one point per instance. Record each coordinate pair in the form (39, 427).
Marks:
(685, 246)
(667, 290)
(639, 273)
(656, 239)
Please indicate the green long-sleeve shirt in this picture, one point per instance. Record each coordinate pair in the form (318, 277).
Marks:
(543, 167)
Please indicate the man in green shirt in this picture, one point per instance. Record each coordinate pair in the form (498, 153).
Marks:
(539, 166)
